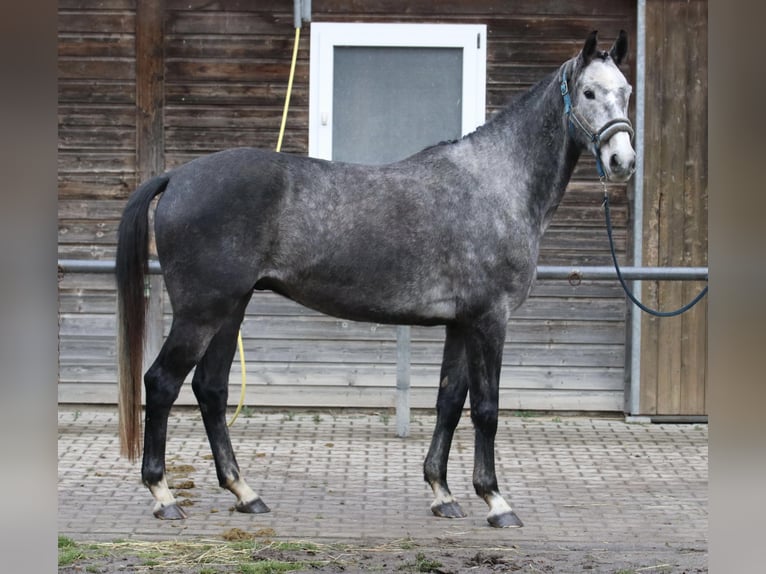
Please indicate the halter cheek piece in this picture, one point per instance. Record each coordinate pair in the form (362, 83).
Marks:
(597, 137)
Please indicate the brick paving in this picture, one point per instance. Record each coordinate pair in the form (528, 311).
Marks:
(347, 477)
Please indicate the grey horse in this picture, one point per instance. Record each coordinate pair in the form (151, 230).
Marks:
(449, 236)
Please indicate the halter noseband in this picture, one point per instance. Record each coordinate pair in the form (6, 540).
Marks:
(597, 137)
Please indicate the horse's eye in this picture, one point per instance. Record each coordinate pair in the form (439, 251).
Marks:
(589, 94)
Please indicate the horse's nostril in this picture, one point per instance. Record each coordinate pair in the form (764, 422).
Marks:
(614, 161)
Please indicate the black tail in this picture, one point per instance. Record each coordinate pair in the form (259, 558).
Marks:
(132, 265)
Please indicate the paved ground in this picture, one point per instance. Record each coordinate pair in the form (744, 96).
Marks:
(598, 484)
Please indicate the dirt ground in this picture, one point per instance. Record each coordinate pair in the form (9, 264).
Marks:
(445, 556)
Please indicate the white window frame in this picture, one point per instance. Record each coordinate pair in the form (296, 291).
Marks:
(325, 36)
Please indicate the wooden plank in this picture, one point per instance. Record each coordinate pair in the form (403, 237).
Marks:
(655, 31)
(86, 281)
(694, 324)
(74, 231)
(117, 162)
(230, 22)
(84, 5)
(150, 16)
(671, 226)
(86, 350)
(90, 185)
(335, 397)
(310, 329)
(88, 22)
(96, 68)
(150, 139)
(95, 45)
(374, 376)
(78, 251)
(274, 47)
(80, 138)
(257, 94)
(90, 209)
(427, 353)
(110, 91)
(79, 114)
(92, 302)
(672, 363)
(245, 70)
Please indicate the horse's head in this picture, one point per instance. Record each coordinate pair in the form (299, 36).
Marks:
(597, 106)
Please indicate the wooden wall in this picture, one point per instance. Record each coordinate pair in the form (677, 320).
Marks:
(674, 350)
(222, 82)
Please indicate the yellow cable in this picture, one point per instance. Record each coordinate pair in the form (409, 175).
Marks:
(289, 89)
(240, 346)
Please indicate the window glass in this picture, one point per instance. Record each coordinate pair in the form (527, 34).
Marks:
(390, 102)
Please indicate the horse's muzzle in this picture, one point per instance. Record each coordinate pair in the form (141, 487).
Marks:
(618, 156)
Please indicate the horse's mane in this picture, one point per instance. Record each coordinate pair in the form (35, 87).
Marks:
(511, 105)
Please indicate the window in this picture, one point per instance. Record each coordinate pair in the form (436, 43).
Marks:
(380, 92)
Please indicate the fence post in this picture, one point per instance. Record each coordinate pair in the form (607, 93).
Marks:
(402, 381)
(150, 140)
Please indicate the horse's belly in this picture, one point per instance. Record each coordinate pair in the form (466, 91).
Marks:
(381, 301)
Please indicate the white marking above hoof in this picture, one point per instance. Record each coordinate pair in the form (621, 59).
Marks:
(501, 514)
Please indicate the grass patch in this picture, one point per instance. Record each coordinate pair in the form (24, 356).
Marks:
(69, 551)
(241, 554)
(270, 567)
(422, 564)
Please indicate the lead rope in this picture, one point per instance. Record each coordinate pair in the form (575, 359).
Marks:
(630, 295)
(240, 346)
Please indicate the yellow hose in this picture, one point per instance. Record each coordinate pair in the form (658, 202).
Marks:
(240, 346)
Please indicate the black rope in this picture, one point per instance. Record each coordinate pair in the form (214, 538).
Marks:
(630, 295)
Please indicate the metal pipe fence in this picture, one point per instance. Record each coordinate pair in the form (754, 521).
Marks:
(571, 274)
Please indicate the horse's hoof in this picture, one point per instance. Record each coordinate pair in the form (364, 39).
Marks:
(448, 510)
(256, 506)
(505, 520)
(170, 512)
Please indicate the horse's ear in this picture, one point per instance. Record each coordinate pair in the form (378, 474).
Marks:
(589, 48)
(620, 48)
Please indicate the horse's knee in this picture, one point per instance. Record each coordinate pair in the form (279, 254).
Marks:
(484, 417)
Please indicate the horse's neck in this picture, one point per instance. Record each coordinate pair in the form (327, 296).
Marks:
(530, 138)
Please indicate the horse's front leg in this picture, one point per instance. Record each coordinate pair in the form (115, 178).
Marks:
(485, 354)
(449, 405)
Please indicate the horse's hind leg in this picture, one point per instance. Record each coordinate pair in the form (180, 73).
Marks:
(185, 344)
(449, 405)
(210, 385)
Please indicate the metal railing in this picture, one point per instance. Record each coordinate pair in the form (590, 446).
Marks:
(572, 274)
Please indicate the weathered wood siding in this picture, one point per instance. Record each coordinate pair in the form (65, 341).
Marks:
(674, 350)
(223, 82)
